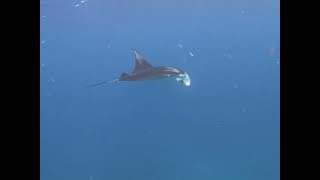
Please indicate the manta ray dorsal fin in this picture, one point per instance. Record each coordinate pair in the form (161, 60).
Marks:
(141, 63)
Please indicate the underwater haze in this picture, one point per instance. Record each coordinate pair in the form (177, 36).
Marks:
(224, 126)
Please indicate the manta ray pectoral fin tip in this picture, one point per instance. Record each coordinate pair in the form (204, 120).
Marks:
(134, 50)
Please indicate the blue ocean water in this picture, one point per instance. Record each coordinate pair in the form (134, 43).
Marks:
(224, 126)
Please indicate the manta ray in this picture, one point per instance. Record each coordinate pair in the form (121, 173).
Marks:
(143, 70)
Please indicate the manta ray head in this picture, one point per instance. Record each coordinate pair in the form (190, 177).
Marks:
(184, 78)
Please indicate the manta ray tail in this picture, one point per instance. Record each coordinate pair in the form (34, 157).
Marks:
(101, 83)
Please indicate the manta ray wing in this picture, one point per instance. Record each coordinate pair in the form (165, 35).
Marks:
(141, 63)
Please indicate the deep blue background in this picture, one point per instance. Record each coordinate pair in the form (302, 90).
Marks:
(224, 126)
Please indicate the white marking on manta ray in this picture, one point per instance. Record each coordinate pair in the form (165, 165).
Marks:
(184, 78)
(172, 69)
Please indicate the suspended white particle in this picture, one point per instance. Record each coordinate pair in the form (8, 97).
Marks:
(235, 86)
(243, 11)
(109, 45)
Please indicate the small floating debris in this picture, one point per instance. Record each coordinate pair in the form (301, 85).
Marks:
(244, 110)
(191, 54)
(109, 45)
(43, 16)
(235, 86)
(243, 12)
(42, 65)
(227, 56)
(180, 46)
(81, 2)
(52, 80)
(148, 131)
(43, 41)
